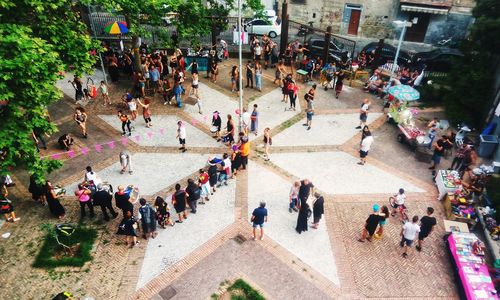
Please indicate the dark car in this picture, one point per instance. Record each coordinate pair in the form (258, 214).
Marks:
(439, 60)
(388, 53)
(335, 52)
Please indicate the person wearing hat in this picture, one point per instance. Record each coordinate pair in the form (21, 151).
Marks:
(371, 224)
(103, 199)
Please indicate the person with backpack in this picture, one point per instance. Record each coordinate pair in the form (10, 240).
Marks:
(193, 195)
(147, 217)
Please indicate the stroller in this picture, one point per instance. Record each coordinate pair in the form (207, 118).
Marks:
(90, 91)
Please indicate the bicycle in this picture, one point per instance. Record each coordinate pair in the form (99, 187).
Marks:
(402, 209)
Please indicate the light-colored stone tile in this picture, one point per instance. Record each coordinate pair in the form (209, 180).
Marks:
(326, 130)
(338, 173)
(195, 137)
(312, 246)
(174, 243)
(152, 171)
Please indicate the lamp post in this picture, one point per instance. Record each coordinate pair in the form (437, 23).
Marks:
(403, 24)
(240, 78)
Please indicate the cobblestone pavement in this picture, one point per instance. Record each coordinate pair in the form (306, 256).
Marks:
(212, 246)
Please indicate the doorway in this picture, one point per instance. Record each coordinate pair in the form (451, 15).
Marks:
(354, 21)
(416, 33)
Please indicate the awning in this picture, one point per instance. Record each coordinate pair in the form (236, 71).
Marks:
(423, 9)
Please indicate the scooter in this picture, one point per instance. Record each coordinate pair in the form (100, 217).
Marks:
(305, 30)
(463, 130)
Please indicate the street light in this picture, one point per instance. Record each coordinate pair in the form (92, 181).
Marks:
(397, 24)
(240, 77)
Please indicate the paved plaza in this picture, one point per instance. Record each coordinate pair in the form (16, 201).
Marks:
(192, 259)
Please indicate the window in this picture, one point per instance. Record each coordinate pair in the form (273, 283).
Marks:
(259, 22)
(298, 1)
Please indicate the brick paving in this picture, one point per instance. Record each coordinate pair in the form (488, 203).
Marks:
(370, 270)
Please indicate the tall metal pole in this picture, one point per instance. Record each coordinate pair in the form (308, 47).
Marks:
(395, 63)
(240, 78)
(100, 55)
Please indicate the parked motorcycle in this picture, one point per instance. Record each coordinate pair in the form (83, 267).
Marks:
(305, 30)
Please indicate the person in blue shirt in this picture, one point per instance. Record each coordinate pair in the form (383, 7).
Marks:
(154, 76)
(178, 89)
(259, 216)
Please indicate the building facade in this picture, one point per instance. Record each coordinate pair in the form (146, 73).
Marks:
(435, 19)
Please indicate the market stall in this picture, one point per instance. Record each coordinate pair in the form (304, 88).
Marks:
(447, 182)
(467, 253)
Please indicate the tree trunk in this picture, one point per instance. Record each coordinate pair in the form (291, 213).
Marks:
(136, 52)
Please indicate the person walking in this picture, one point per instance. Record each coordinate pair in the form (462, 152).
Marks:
(83, 195)
(318, 209)
(302, 217)
(408, 235)
(258, 76)
(37, 134)
(147, 216)
(384, 213)
(371, 224)
(254, 120)
(305, 189)
(125, 123)
(123, 202)
(427, 224)
(310, 106)
(105, 93)
(55, 207)
(339, 83)
(179, 201)
(102, 197)
(433, 127)
(78, 86)
(181, 135)
(214, 71)
(365, 146)
(268, 141)
(80, 118)
(146, 113)
(163, 212)
(363, 113)
(37, 190)
(249, 72)
(294, 196)
(193, 195)
(259, 217)
(91, 178)
(128, 228)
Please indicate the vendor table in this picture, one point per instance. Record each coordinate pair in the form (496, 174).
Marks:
(452, 226)
(472, 272)
(445, 184)
(201, 60)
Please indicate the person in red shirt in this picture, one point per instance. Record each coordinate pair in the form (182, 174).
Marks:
(204, 185)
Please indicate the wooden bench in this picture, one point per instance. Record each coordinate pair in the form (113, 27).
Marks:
(303, 75)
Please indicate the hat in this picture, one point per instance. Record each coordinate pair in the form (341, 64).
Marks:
(376, 207)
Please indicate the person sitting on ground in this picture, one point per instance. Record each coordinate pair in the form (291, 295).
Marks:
(65, 141)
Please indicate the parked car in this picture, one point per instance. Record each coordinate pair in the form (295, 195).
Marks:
(439, 60)
(263, 26)
(389, 53)
(335, 52)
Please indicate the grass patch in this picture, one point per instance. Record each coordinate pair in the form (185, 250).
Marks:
(240, 290)
(52, 255)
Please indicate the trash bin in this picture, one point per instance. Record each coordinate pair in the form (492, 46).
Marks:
(487, 145)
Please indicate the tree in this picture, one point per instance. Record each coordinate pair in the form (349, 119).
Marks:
(471, 80)
(38, 41)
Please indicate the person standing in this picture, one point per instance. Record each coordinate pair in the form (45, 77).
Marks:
(204, 185)
(163, 212)
(294, 196)
(214, 71)
(38, 134)
(128, 228)
(193, 194)
(433, 130)
(254, 120)
(399, 201)
(178, 90)
(83, 195)
(181, 135)
(154, 76)
(195, 84)
(318, 209)
(91, 177)
(80, 118)
(371, 224)
(259, 217)
(310, 106)
(249, 72)
(105, 93)
(179, 201)
(125, 123)
(363, 113)
(258, 76)
(439, 147)
(123, 202)
(245, 117)
(408, 235)
(244, 152)
(102, 198)
(305, 189)
(146, 113)
(55, 207)
(234, 79)
(268, 141)
(385, 215)
(78, 86)
(293, 91)
(339, 84)
(427, 224)
(146, 215)
(302, 217)
(365, 146)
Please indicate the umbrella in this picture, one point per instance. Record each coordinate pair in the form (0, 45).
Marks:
(404, 92)
(116, 27)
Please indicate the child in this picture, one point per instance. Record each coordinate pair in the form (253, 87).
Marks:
(163, 212)
(105, 93)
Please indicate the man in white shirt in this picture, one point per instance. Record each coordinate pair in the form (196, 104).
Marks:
(366, 144)
(181, 135)
(91, 177)
(399, 200)
(246, 120)
(409, 233)
(363, 113)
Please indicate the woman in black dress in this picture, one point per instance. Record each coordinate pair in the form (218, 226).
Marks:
(128, 228)
(339, 84)
(216, 124)
(212, 176)
(179, 200)
(55, 206)
(304, 214)
(37, 191)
